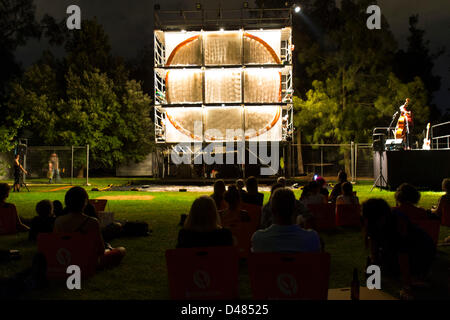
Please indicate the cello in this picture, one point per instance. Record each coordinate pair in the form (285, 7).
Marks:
(402, 127)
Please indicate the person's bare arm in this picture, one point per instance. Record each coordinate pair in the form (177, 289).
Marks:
(19, 225)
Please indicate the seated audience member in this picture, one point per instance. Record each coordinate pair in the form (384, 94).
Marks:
(240, 184)
(337, 189)
(90, 211)
(219, 191)
(233, 213)
(202, 226)
(444, 201)
(266, 216)
(283, 235)
(75, 220)
(253, 196)
(347, 196)
(58, 209)
(282, 181)
(313, 196)
(323, 190)
(399, 247)
(407, 197)
(4, 194)
(44, 221)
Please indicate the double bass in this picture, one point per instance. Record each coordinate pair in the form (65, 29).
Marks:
(404, 121)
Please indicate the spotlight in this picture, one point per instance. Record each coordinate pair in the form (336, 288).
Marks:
(221, 29)
(198, 6)
(297, 9)
(156, 7)
(183, 31)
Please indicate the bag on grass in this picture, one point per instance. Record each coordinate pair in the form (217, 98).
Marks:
(135, 229)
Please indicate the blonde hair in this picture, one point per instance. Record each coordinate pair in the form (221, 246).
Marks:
(203, 216)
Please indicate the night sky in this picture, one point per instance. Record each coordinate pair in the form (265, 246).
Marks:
(129, 25)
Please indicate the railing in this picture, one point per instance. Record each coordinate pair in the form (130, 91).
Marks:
(441, 141)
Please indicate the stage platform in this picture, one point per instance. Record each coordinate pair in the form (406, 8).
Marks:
(424, 169)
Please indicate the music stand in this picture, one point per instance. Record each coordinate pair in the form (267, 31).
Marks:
(378, 146)
(22, 182)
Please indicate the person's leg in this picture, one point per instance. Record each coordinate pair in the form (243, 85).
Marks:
(112, 258)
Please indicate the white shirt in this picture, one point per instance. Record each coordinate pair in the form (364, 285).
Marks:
(289, 238)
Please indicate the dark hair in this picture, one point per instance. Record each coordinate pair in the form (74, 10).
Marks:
(90, 211)
(446, 184)
(203, 215)
(347, 188)
(252, 184)
(275, 187)
(4, 191)
(320, 181)
(76, 199)
(407, 193)
(342, 176)
(373, 210)
(219, 190)
(240, 183)
(232, 196)
(283, 204)
(282, 181)
(44, 208)
(58, 208)
(313, 185)
(306, 190)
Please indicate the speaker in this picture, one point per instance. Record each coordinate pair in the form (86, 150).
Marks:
(378, 141)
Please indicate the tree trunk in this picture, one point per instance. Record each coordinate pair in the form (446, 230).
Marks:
(81, 173)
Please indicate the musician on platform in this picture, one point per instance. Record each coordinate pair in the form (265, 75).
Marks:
(404, 125)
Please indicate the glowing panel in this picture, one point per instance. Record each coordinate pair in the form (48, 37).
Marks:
(262, 47)
(223, 48)
(222, 123)
(184, 86)
(223, 86)
(183, 48)
(263, 123)
(262, 85)
(184, 124)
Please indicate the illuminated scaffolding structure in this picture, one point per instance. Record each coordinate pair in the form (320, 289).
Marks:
(222, 71)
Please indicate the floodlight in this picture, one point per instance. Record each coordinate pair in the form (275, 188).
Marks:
(297, 9)
(198, 6)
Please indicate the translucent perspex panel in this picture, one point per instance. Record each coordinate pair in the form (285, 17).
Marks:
(223, 86)
(184, 124)
(183, 48)
(184, 86)
(263, 123)
(223, 123)
(262, 85)
(262, 47)
(223, 48)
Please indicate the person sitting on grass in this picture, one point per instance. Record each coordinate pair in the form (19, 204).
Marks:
(240, 184)
(266, 216)
(444, 201)
(284, 235)
(253, 196)
(233, 213)
(4, 194)
(399, 247)
(337, 189)
(407, 197)
(313, 196)
(44, 221)
(75, 220)
(219, 191)
(58, 208)
(347, 196)
(202, 227)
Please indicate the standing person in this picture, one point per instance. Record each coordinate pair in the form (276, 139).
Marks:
(50, 172)
(18, 170)
(337, 189)
(55, 165)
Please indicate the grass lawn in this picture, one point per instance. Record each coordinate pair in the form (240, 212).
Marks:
(142, 274)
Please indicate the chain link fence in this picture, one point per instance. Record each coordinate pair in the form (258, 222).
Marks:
(57, 164)
(328, 159)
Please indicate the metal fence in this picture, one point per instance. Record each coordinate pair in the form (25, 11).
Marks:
(57, 164)
(328, 159)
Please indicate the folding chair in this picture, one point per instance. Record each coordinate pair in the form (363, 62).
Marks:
(431, 227)
(324, 216)
(203, 273)
(254, 212)
(289, 276)
(64, 249)
(348, 215)
(99, 204)
(8, 220)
